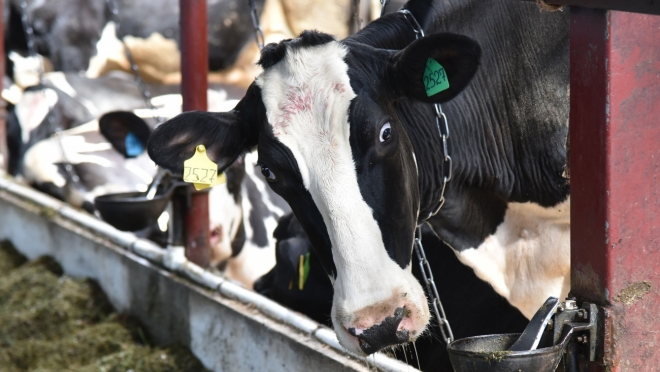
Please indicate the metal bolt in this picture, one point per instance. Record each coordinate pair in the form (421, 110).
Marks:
(582, 314)
(570, 305)
(582, 339)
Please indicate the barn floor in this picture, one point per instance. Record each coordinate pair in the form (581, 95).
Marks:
(52, 322)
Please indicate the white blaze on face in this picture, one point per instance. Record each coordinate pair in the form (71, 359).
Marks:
(307, 97)
(527, 260)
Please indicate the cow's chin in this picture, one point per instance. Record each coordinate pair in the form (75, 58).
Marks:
(395, 313)
(220, 250)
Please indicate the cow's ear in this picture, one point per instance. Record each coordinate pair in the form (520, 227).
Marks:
(435, 68)
(174, 141)
(226, 135)
(126, 132)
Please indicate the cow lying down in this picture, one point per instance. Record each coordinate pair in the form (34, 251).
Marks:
(107, 156)
(472, 306)
(346, 133)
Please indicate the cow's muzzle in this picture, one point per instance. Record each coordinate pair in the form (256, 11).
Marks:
(381, 335)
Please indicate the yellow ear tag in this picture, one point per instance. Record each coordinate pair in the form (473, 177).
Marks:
(201, 171)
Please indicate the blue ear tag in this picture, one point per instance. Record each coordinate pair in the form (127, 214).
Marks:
(134, 146)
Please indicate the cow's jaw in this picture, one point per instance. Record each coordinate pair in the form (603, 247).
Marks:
(307, 97)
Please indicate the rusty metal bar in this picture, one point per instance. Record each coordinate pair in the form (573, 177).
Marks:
(4, 152)
(194, 84)
(615, 180)
(637, 6)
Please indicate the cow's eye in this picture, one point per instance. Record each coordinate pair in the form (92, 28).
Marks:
(268, 173)
(385, 132)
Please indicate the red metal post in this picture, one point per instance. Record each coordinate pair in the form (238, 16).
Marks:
(4, 152)
(615, 180)
(194, 84)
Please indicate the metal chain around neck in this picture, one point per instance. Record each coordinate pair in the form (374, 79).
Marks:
(383, 5)
(438, 309)
(425, 267)
(443, 129)
(135, 69)
(258, 31)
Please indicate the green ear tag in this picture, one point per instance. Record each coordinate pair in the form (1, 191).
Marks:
(435, 78)
(303, 270)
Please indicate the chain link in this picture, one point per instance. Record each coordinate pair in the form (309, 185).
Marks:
(135, 69)
(258, 31)
(425, 267)
(443, 130)
(447, 169)
(383, 5)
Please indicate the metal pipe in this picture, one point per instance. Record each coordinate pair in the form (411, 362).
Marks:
(194, 84)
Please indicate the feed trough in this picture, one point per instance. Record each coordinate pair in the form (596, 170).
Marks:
(133, 211)
(490, 354)
(548, 337)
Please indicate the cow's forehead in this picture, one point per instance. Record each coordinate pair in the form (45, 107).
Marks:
(307, 96)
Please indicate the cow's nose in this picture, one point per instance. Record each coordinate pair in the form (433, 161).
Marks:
(381, 335)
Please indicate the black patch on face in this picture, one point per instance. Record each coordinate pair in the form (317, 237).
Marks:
(239, 240)
(273, 53)
(235, 174)
(289, 185)
(386, 171)
(258, 214)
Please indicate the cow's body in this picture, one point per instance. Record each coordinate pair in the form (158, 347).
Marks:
(243, 212)
(67, 30)
(71, 31)
(346, 133)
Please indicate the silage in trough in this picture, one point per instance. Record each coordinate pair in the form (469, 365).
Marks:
(52, 322)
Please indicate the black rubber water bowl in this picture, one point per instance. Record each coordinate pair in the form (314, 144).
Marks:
(490, 354)
(131, 211)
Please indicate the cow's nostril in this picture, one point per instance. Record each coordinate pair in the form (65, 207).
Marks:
(381, 335)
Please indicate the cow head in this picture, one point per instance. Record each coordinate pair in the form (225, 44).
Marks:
(330, 142)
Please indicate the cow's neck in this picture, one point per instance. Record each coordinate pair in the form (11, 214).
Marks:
(506, 147)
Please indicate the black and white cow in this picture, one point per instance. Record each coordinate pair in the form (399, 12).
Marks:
(346, 134)
(472, 306)
(107, 155)
(95, 166)
(67, 100)
(241, 237)
(67, 31)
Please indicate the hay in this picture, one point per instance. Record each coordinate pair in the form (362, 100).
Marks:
(51, 322)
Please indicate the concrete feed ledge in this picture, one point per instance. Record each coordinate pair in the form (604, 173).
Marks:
(228, 327)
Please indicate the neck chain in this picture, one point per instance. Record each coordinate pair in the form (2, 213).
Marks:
(425, 267)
